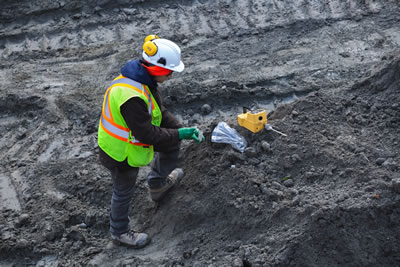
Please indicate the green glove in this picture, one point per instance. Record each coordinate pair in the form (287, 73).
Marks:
(189, 133)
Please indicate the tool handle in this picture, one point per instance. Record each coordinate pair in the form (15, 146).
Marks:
(278, 132)
(269, 127)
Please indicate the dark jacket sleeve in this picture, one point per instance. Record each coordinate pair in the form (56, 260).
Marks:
(169, 120)
(134, 111)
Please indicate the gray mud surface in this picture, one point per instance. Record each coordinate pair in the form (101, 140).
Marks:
(327, 72)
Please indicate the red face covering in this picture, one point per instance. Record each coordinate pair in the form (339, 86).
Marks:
(157, 71)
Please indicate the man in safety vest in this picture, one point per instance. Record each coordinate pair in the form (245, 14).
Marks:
(133, 124)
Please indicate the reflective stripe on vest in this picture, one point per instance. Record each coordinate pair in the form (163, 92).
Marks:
(123, 81)
(106, 119)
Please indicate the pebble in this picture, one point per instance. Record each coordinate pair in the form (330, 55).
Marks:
(6, 235)
(213, 171)
(288, 183)
(84, 155)
(380, 161)
(194, 251)
(296, 158)
(232, 156)
(293, 146)
(265, 146)
(187, 254)
(344, 54)
(296, 201)
(254, 161)
(49, 236)
(21, 133)
(23, 219)
(77, 16)
(363, 158)
(309, 175)
(293, 192)
(276, 185)
(286, 162)
(237, 263)
(196, 118)
(22, 243)
(129, 11)
(75, 235)
(206, 109)
(391, 164)
(396, 185)
(250, 152)
(264, 188)
(190, 112)
(90, 218)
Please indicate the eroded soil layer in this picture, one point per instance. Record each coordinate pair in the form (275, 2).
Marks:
(327, 72)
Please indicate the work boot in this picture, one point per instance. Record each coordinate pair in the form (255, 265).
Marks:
(157, 194)
(133, 240)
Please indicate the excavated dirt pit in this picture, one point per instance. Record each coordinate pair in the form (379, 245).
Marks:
(327, 72)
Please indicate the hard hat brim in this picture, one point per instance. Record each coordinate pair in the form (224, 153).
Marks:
(178, 68)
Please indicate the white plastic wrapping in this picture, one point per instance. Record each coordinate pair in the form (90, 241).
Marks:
(227, 135)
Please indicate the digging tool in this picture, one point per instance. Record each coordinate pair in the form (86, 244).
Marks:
(255, 120)
(268, 127)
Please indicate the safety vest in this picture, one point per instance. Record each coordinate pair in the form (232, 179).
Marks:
(114, 136)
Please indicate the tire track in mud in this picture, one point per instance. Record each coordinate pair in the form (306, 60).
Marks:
(195, 19)
(18, 148)
(265, 53)
(30, 139)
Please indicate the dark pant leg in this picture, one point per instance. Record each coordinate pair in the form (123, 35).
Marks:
(162, 165)
(123, 188)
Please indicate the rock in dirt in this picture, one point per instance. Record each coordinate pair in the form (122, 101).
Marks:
(288, 183)
(22, 220)
(196, 118)
(237, 263)
(233, 156)
(396, 185)
(380, 161)
(265, 146)
(391, 164)
(75, 235)
(22, 243)
(250, 152)
(206, 109)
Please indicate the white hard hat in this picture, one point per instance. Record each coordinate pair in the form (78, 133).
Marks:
(163, 53)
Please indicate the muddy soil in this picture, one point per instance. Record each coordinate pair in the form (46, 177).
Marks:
(327, 72)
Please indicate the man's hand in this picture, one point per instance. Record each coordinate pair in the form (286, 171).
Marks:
(190, 133)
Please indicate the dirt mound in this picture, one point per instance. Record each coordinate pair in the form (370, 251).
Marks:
(330, 188)
(327, 194)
